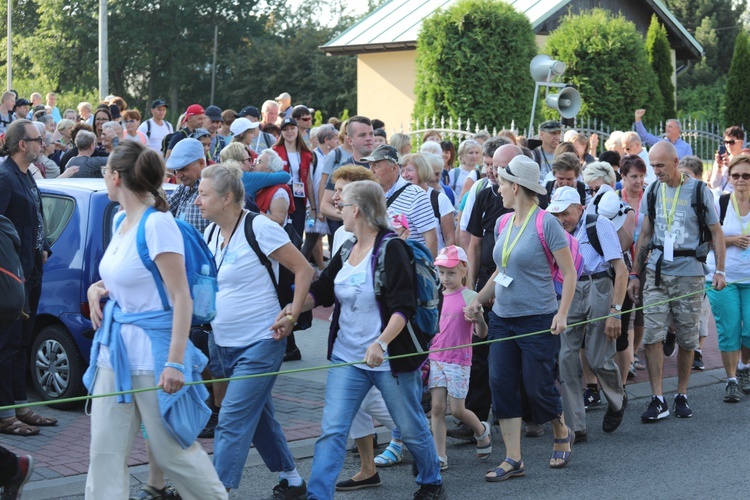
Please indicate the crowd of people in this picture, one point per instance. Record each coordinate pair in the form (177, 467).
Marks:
(528, 235)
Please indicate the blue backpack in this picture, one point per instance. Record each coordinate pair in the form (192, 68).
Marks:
(200, 268)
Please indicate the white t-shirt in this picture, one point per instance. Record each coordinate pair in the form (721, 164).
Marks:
(457, 183)
(339, 238)
(133, 286)
(737, 260)
(293, 166)
(359, 321)
(246, 304)
(445, 207)
(471, 198)
(158, 132)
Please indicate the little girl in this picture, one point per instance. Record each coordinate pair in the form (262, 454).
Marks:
(449, 370)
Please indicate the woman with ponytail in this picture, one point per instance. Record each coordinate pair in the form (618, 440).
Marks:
(137, 343)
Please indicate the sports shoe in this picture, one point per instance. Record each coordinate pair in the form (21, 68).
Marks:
(591, 399)
(534, 430)
(681, 408)
(430, 492)
(283, 491)
(613, 419)
(656, 410)
(732, 392)
(698, 361)
(210, 428)
(462, 432)
(632, 373)
(12, 489)
(668, 344)
(743, 380)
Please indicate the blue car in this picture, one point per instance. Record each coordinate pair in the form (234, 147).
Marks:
(78, 224)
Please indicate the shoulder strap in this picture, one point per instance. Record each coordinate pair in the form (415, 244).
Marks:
(263, 258)
(502, 222)
(455, 171)
(346, 249)
(723, 205)
(142, 247)
(435, 204)
(213, 227)
(581, 191)
(591, 220)
(540, 231)
(651, 201)
(704, 232)
(336, 157)
(148, 128)
(395, 195)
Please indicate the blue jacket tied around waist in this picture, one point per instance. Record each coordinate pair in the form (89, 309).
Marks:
(184, 413)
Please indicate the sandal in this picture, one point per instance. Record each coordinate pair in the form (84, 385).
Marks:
(35, 419)
(15, 427)
(392, 455)
(562, 455)
(443, 462)
(501, 474)
(484, 452)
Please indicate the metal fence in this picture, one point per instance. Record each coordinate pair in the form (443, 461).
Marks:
(704, 137)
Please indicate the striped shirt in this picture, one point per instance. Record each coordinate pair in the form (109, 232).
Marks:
(415, 204)
(593, 262)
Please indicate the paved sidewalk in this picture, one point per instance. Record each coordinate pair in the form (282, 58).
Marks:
(61, 452)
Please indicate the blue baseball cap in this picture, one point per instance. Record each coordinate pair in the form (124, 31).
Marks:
(184, 153)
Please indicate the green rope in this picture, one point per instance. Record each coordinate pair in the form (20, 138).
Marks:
(341, 365)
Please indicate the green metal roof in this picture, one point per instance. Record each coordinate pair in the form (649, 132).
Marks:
(396, 24)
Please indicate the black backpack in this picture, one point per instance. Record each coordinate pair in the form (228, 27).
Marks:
(168, 139)
(285, 284)
(12, 288)
(723, 204)
(148, 128)
(435, 204)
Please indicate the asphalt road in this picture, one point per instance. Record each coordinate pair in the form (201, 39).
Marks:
(701, 457)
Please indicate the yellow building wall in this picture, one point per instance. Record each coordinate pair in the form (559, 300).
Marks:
(385, 87)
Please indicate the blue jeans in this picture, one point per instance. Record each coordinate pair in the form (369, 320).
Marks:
(528, 363)
(345, 389)
(247, 413)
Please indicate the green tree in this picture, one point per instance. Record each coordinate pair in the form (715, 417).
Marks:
(473, 62)
(660, 59)
(606, 59)
(737, 101)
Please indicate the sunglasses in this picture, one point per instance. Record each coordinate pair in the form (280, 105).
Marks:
(592, 191)
(745, 177)
(730, 142)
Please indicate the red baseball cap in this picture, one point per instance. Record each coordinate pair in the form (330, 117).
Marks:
(195, 109)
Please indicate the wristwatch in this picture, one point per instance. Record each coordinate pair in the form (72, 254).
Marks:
(616, 308)
(382, 345)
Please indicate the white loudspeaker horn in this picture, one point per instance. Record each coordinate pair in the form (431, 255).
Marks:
(543, 66)
(567, 102)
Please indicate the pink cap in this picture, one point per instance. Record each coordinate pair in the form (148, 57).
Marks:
(451, 256)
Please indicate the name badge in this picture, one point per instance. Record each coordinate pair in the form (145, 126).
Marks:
(298, 189)
(357, 279)
(745, 255)
(669, 247)
(230, 257)
(503, 280)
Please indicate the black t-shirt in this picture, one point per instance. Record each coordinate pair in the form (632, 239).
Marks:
(488, 207)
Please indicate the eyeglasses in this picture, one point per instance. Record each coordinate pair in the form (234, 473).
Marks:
(248, 160)
(342, 205)
(256, 161)
(745, 177)
(129, 121)
(103, 170)
(35, 139)
(593, 191)
(729, 142)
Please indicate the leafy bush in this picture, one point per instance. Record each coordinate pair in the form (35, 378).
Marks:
(737, 108)
(703, 102)
(660, 59)
(607, 60)
(473, 62)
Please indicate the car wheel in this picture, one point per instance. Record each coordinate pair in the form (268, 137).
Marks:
(56, 366)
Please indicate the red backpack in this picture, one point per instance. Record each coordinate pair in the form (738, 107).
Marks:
(557, 276)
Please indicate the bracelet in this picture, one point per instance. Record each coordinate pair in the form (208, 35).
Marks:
(723, 273)
(616, 316)
(176, 366)
(633, 276)
(291, 319)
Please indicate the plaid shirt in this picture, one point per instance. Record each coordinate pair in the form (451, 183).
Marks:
(182, 206)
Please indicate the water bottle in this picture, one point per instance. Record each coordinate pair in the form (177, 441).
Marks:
(204, 295)
(310, 220)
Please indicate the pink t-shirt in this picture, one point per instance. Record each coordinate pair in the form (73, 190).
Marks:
(454, 329)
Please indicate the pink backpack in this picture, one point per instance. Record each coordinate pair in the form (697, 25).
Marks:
(557, 276)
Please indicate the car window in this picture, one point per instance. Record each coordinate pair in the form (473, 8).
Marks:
(57, 213)
(107, 222)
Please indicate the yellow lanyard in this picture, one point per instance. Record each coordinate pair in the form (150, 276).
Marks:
(670, 215)
(506, 249)
(746, 228)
